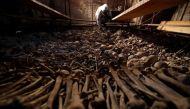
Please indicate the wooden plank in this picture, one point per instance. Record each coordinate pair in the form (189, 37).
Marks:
(146, 7)
(180, 11)
(175, 26)
(186, 15)
(176, 13)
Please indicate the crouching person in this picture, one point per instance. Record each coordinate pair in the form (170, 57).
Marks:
(103, 15)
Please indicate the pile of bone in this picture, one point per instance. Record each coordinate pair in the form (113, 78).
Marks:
(89, 71)
(145, 83)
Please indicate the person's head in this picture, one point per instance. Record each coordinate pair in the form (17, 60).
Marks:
(105, 6)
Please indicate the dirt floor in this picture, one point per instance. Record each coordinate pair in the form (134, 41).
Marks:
(89, 68)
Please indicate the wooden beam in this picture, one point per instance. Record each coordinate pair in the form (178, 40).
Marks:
(146, 7)
(44, 8)
(175, 26)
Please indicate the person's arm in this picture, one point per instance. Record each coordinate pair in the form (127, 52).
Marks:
(110, 16)
(107, 15)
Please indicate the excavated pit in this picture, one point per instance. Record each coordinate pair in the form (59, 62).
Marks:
(36, 68)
